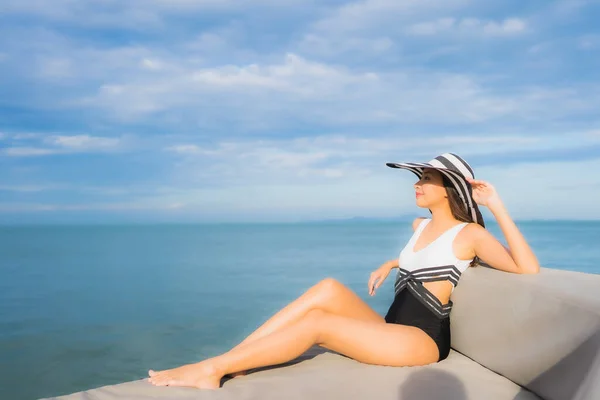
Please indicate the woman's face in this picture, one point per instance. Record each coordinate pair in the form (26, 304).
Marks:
(430, 190)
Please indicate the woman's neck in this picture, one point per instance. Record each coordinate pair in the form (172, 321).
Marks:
(442, 217)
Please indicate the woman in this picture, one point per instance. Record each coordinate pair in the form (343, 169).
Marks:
(416, 328)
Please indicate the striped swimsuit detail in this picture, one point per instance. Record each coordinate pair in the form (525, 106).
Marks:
(435, 262)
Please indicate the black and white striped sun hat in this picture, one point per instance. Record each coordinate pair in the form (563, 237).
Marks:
(456, 170)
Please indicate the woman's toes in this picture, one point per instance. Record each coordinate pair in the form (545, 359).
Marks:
(159, 381)
(156, 378)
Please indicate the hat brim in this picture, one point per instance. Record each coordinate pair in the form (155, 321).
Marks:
(417, 169)
(458, 180)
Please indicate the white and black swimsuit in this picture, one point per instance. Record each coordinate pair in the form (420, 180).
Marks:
(414, 304)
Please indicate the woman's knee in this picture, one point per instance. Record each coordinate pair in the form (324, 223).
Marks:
(328, 292)
(315, 319)
(317, 322)
(330, 285)
(323, 294)
(316, 315)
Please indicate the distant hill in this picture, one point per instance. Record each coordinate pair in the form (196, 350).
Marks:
(402, 218)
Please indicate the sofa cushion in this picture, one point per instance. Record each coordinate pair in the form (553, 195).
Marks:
(541, 331)
(321, 374)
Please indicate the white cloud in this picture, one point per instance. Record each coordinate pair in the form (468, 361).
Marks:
(26, 151)
(432, 27)
(150, 64)
(25, 136)
(191, 149)
(115, 206)
(367, 15)
(109, 190)
(567, 8)
(369, 28)
(294, 75)
(31, 188)
(294, 78)
(507, 27)
(265, 91)
(83, 142)
(363, 29)
(331, 46)
(541, 48)
(325, 158)
(589, 42)
(267, 94)
(63, 144)
(55, 68)
(133, 14)
(471, 26)
(223, 42)
(87, 189)
(89, 65)
(545, 189)
(92, 13)
(26, 207)
(594, 133)
(204, 5)
(333, 68)
(314, 177)
(525, 189)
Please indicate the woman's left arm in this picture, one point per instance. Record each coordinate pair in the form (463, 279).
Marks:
(520, 258)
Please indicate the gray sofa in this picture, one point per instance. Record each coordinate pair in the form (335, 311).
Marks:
(513, 337)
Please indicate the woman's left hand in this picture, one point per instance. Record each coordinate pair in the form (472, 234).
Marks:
(484, 193)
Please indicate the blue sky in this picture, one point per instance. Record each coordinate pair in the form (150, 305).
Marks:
(219, 110)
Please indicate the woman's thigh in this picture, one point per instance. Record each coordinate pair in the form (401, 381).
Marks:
(336, 298)
(375, 343)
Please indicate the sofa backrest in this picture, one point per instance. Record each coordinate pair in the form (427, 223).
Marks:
(541, 331)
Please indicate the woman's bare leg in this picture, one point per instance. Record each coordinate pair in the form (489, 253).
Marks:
(365, 341)
(328, 295)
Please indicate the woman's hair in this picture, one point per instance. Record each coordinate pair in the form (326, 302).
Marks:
(458, 208)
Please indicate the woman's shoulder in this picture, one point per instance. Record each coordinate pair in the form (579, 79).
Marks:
(417, 222)
(473, 231)
(467, 237)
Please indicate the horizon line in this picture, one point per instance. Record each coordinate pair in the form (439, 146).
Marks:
(263, 222)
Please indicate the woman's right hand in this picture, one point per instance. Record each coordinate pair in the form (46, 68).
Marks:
(377, 277)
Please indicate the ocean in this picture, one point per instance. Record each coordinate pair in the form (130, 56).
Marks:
(88, 306)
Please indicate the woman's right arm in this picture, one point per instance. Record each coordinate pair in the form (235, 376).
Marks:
(392, 263)
(380, 274)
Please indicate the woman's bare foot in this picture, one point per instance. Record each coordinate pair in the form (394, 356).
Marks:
(202, 375)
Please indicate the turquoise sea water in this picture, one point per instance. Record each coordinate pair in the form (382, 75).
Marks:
(88, 306)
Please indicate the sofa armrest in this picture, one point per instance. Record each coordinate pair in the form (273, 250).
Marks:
(541, 331)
